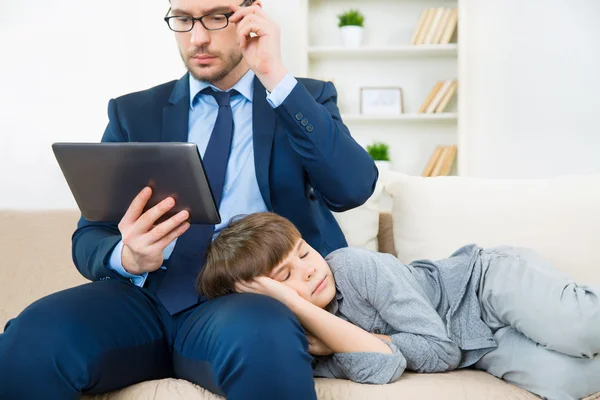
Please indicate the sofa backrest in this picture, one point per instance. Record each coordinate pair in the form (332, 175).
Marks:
(36, 257)
(558, 217)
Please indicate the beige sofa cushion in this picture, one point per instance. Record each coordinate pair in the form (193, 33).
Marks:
(361, 225)
(457, 385)
(559, 218)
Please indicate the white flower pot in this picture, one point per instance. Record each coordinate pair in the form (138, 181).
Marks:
(383, 166)
(352, 36)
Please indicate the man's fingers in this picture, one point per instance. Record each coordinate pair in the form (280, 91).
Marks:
(261, 13)
(164, 228)
(240, 12)
(148, 219)
(242, 38)
(174, 234)
(257, 26)
(136, 208)
(252, 28)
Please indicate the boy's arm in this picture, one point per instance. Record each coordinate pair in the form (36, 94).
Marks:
(339, 335)
(358, 355)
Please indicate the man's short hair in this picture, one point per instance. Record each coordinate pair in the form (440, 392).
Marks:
(249, 247)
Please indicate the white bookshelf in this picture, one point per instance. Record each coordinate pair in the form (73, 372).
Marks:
(386, 59)
(431, 50)
(414, 117)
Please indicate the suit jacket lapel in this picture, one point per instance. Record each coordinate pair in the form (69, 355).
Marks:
(176, 114)
(263, 127)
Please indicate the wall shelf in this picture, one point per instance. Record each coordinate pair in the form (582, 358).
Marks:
(333, 52)
(385, 60)
(413, 117)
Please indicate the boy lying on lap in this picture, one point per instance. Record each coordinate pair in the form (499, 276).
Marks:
(369, 317)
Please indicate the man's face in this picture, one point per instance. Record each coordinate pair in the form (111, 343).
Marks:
(208, 55)
(308, 273)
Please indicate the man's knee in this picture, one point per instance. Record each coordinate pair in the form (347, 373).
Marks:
(34, 349)
(243, 328)
(56, 337)
(41, 333)
(246, 322)
(252, 338)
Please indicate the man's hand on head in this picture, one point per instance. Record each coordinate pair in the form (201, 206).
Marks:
(260, 39)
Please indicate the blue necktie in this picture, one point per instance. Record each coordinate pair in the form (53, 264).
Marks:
(177, 290)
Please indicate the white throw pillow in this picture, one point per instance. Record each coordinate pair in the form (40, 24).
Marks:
(558, 217)
(361, 225)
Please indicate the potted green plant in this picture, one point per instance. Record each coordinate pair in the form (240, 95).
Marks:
(351, 25)
(380, 154)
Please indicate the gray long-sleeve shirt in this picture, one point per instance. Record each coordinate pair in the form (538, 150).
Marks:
(429, 309)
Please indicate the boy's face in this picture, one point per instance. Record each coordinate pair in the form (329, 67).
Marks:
(305, 271)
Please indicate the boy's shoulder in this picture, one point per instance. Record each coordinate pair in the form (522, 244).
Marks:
(356, 260)
(347, 255)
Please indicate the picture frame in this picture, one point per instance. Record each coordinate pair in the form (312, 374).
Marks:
(381, 101)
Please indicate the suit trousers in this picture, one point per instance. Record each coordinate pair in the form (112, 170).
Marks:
(107, 335)
(546, 325)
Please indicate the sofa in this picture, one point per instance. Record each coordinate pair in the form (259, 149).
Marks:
(428, 218)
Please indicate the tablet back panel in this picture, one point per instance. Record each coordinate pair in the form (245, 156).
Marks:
(105, 177)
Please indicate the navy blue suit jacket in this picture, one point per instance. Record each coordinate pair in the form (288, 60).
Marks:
(303, 170)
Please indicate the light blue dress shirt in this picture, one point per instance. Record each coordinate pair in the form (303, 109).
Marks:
(241, 194)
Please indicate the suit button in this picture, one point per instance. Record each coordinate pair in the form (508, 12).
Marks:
(310, 128)
(304, 122)
(299, 116)
(311, 194)
(377, 331)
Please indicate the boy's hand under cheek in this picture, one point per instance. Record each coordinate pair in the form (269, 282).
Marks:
(316, 347)
(270, 287)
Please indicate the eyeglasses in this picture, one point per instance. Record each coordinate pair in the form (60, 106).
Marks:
(211, 22)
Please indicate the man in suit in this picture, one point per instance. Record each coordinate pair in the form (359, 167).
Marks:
(270, 142)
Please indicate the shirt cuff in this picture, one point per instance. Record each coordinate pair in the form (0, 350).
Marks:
(372, 368)
(116, 265)
(282, 90)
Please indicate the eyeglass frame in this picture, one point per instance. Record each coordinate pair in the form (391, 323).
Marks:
(199, 19)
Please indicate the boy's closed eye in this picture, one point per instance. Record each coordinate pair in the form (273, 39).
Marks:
(283, 276)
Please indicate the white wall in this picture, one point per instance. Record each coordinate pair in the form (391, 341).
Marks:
(59, 69)
(529, 88)
(529, 83)
(61, 65)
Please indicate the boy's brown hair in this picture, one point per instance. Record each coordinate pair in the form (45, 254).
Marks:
(248, 247)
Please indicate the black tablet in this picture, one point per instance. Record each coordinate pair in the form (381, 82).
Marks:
(105, 177)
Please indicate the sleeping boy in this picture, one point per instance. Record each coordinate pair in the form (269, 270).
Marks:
(369, 317)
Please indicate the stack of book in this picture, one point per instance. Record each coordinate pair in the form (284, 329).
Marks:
(439, 97)
(441, 162)
(436, 26)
